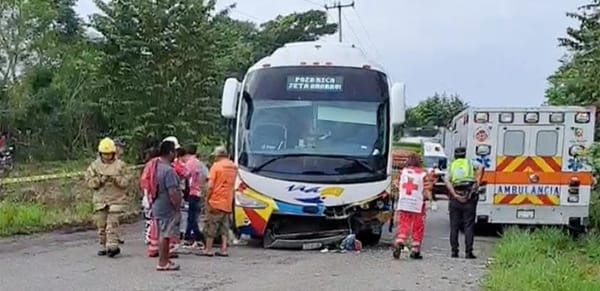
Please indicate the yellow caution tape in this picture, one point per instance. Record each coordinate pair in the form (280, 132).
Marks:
(41, 178)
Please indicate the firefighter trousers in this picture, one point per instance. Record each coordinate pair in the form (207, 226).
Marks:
(107, 224)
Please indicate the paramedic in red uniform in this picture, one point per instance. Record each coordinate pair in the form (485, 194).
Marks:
(414, 186)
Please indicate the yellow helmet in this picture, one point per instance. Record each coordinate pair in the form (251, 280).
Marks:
(107, 146)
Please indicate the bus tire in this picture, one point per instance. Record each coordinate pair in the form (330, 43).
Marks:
(368, 238)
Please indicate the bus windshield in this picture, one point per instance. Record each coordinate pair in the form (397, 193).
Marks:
(320, 123)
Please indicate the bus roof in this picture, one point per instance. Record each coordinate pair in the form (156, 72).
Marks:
(317, 53)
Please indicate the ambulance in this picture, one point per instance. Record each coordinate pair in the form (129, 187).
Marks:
(535, 172)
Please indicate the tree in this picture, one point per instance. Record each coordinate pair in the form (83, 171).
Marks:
(576, 80)
(437, 110)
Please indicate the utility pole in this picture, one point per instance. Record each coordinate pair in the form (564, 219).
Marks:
(338, 5)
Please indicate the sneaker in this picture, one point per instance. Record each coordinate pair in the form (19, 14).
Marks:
(416, 256)
(397, 251)
(470, 256)
(102, 252)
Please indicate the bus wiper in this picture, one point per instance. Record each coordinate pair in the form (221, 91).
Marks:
(274, 159)
(362, 163)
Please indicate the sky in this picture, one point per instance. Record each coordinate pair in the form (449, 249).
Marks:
(491, 53)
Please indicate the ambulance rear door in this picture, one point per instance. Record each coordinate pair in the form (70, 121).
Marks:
(528, 165)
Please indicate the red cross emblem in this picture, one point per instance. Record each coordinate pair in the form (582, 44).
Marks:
(409, 186)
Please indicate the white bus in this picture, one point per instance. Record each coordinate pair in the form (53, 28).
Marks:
(313, 125)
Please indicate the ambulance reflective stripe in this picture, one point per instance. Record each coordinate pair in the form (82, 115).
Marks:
(515, 187)
(529, 164)
(527, 195)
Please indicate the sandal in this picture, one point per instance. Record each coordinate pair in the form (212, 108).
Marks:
(221, 254)
(169, 267)
(205, 254)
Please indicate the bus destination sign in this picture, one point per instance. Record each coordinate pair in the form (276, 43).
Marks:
(315, 83)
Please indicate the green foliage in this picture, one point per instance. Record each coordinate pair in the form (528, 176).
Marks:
(437, 110)
(144, 70)
(544, 260)
(576, 80)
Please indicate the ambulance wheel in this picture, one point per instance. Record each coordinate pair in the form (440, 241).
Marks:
(368, 238)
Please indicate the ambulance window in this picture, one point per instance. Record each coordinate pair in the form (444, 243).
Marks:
(514, 143)
(546, 143)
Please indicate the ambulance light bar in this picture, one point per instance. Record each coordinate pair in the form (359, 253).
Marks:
(532, 117)
(506, 117)
(557, 117)
(481, 117)
(582, 117)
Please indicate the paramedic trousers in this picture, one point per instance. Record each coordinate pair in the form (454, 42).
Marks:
(409, 222)
(462, 215)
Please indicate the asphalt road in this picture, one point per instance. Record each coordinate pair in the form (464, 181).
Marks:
(68, 262)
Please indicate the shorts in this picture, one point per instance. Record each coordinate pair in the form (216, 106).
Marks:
(168, 227)
(216, 224)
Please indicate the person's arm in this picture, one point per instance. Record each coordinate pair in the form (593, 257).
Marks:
(428, 183)
(212, 176)
(92, 179)
(172, 184)
(123, 178)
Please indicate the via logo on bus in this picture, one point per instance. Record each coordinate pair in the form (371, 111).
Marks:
(314, 194)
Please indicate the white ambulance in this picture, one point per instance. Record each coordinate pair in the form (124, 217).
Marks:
(534, 171)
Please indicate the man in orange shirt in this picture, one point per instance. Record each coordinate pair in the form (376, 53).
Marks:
(219, 200)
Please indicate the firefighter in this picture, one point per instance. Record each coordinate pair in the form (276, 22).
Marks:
(464, 177)
(107, 176)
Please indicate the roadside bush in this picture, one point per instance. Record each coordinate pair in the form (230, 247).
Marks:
(544, 260)
(53, 204)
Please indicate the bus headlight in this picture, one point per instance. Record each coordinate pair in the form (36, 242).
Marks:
(245, 201)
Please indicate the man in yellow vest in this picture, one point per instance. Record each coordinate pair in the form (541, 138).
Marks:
(107, 176)
(464, 177)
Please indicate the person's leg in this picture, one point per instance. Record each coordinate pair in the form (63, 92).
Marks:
(223, 229)
(112, 233)
(469, 215)
(100, 217)
(455, 223)
(193, 215)
(418, 231)
(153, 249)
(188, 236)
(403, 223)
(168, 228)
(210, 232)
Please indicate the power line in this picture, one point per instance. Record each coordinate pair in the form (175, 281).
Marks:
(353, 32)
(378, 55)
(338, 5)
(314, 3)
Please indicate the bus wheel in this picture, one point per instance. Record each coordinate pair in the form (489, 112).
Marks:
(268, 239)
(368, 237)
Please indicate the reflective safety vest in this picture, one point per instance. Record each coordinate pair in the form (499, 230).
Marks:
(461, 170)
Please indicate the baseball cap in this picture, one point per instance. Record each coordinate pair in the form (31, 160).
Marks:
(220, 151)
(173, 140)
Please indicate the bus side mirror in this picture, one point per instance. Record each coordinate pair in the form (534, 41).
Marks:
(229, 98)
(398, 104)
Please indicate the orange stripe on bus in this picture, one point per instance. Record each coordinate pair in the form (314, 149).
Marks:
(520, 178)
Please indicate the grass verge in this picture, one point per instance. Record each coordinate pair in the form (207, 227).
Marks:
(546, 260)
(30, 217)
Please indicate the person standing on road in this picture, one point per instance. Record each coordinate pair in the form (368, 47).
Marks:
(219, 200)
(148, 185)
(414, 186)
(197, 181)
(464, 177)
(107, 176)
(167, 204)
